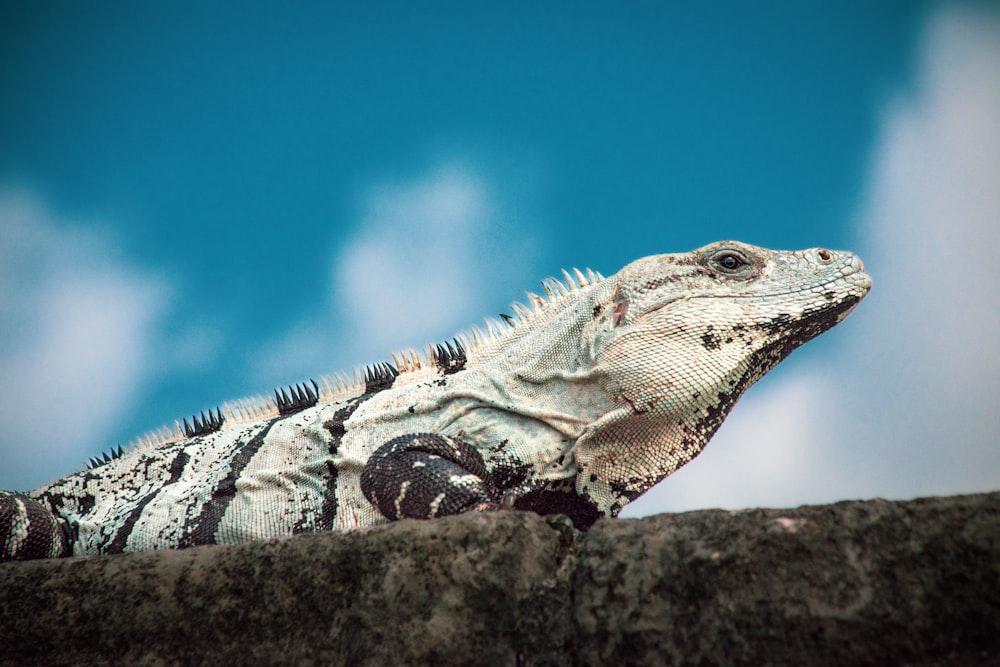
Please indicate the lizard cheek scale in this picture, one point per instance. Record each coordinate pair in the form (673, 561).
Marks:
(576, 403)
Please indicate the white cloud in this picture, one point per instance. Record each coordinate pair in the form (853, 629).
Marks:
(907, 405)
(933, 217)
(426, 259)
(76, 325)
(414, 262)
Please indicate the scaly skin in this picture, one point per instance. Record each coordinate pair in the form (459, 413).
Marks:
(578, 405)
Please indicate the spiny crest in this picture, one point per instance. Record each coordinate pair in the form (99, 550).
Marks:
(408, 360)
(107, 457)
(301, 397)
(205, 425)
(555, 291)
(240, 411)
(449, 357)
(200, 425)
(379, 376)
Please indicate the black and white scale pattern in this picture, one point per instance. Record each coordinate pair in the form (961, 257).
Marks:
(577, 404)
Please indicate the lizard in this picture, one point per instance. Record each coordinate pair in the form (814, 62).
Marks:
(576, 404)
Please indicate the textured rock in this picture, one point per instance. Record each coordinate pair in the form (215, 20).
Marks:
(872, 582)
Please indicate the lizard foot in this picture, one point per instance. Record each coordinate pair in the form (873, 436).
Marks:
(426, 475)
(28, 529)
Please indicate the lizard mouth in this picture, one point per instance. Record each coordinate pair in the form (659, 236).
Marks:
(788, 332)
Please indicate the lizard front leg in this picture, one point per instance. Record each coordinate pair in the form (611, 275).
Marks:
(426, 475)
(29, 529)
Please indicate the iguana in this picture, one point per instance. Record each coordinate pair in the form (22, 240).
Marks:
(577, 404)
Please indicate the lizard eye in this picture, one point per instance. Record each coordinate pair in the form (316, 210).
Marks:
(729, 261)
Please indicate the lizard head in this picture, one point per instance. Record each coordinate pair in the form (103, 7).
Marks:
(677, 339)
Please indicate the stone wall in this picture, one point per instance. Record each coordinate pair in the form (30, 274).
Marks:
(872, 582)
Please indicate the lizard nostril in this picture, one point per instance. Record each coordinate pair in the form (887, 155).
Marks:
(824, 255)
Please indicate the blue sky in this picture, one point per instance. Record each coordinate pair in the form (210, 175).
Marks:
(200, 203)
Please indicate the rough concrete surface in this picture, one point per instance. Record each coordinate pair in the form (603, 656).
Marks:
(866, 583)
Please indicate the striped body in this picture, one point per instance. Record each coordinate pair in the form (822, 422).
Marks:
(281, 475)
